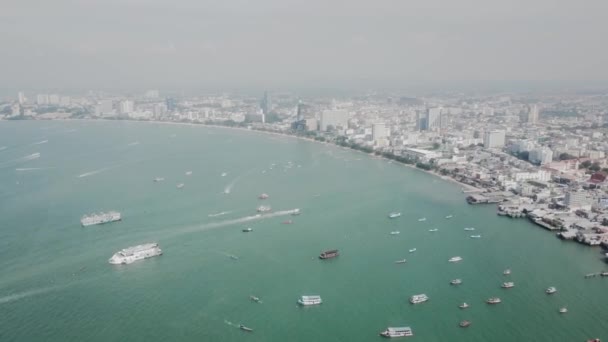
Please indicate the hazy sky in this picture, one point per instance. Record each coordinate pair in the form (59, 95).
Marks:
(153, 43)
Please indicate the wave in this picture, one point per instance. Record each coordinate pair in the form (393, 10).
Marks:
(91, 173)
(34, 168)
(41, 142)
(219, 214)
(21, 295)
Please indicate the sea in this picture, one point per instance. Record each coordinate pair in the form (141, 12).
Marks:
(56, 283)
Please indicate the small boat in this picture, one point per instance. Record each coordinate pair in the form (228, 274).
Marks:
(412, 250)
(254, 298)
(475, 236)
(263, 196)
(465, 324)
(247, 230)
(180, 185)
(329, 254)
(287, 222)
(449, 216)
(551, 290)
(159, 179)
(455, 259)
(234, 257)
(493, 300)
(188, 173)
(394, 215)
(402, 261)
(508, 285)
(397, 332)
(604, 274)
(395, 232)
(419, 298)
(507, 271)
(456, 282)
(463, 305)
(244, 328)
(263, 209)
(563, 310)
(433, 230)
(296, 212)
(422, 219)
(469, 229)
(310, 300)
(594, 340)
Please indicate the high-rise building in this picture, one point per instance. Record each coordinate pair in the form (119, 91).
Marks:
(54, 99)
(171, 104)
(266, 103)
(577, 199)
(21, 98)
(159, 110)
(533, 114)
(42, 99)
(334, 118)
(379, 131)
(541, 155)
(65, 101)
(494, 139)
(126, 107)
(433, 119)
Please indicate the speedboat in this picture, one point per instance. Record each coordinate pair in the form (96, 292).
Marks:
(244, 328)
(463, 305)
(394, 215)
(402, 261)
(455, 259)
(433, 230)
(507, 271)
(395, 232)
(296, 212)
(412, 250)
(551, 290)
(449, 216)
(465, 324)
(493, 300)
(247, 230)
(422, 219)
(469, 229)
(508, 285)
(456, 282)
(604, 274)
(397, 332)
(475, 236)
(563, 310)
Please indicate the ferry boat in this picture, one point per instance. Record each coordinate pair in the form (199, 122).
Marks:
(402, 261)
(100, 218)
(412, 250)
(465, 324)
(433, 230)
(456, 282)
(263, 196)
(329, 254)
(132, 254)
(449, 216)
(551, 290)
(463, 305)
(507, 271)
(469, 229)
(563, 310)
(263, 209)
(397, 332)
(247, 230)
(158, 179)
(395, 232)
(188, 173)
(180, 185)
(310, 300)
(455, 259)
(493, 300)
(508, 285)
(244, 328)
(475, 236)
(422, 219)
(394, 215)
(420, 298)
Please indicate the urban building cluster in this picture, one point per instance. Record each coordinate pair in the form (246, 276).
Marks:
(537, 156)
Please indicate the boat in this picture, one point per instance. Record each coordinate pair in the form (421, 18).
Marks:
(158, 179)
(100, 218)
(263, 209)
(469, 229)
(412, 250)
(463, 305)
(591, 275)
(295, 212)
(551, 290)
(433, 230)
(134, 253)
(475, 236)
(456, 282)
(395, 232)
(329, 254)
(465, 324)
(449, 216)
(508, 285)
(224, 174)
(254, 298)
(594, 340)
(394, 215)
(604, 274)
(507, 271)
(247, 230)
(310, 300)
(402, 261)
(493, 300)
(422, 219)
(455, 259)
(188, 173)
(563, 310)
(419, 298)
(263, 196)
(244, 328)
(397, 332)
(180, 185)
(233, 257)
(287, 222)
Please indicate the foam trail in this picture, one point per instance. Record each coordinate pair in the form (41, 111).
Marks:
(91, 173)
(20, 160)
(41, 142)
(34, 168)
(228, 188)
(135, 143)
(30, 157)
(219, 214)
(21, 295)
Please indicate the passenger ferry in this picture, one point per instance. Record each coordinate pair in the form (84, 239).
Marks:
(310, 300)
(329, 254)
(420, 298)
(508, 285)
(493, 300)
(397, 332)
(455, 259)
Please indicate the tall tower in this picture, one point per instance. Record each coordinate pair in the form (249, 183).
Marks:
(266, 103)
(21, 98)
(533, 114)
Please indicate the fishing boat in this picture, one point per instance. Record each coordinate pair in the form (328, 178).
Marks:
(397, 332)
(244, 328)
(563, 310)
(456, 282)
(412, 250)
(247, 230)
(254, 298)
(224, 174)
(188, 173)
(493, 300)
(419, 298)
(402, 261)
(263, 209)
(465, 324)
(263, 196)
(594, 340)
(180, 185)
(287, 222)
(551, 290)
(395, 232)
(463, 305)
(159, 179)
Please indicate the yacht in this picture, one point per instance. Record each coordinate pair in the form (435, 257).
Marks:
(463, 305)
(420, 298)
(310, 300)
(395, 232)
(244, 328)
(551, 290)
(508, 285)
(475, 236)
(180, 185)
(132, 254)
(563, 310)
(456, 282)
(247, 230)
(433, 230)
(412, 250)
(422, 219)
(397, 332)
(394, 215)
(449, 216)
(469, 229)
(402, 261)
(455, 259)
(507, 271)
(465, 324)
(493, 300)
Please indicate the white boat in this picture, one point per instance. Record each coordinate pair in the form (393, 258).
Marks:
(255, 299)
(433, 230)
(463, 305)
(449, 216)
(397, 332)
(402, 261)
(507, 271)
(455, 259)
(508, 285)
(100, 218)
(224, 174)
(263, 196)
(493, 300)
(295, 212)
(551, 290)
(188, 173)
(159, 179)
(247, 230)
(310, 300)
(180, 185)
(132, 254)
(563, 310)
(469, 229)
(422, 219)
(475, 236)
(419, 298)
(394, 215)
(456, 281)
(412, 250)
(395, 232)
(263, 209)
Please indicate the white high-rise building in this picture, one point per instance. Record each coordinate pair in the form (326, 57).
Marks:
(533, 114)
(65, 101)
(379, 131)
(433, 118)
(42, 99)
(54, 99)
(577, 200)
(494, 139)
(126, 107)
(541, 155)
(21, 98)
(335, 118)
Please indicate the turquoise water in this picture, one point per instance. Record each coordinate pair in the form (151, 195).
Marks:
(56, 284)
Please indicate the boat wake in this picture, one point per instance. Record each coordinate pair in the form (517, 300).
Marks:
(91, 173)
(20, 160)
(21, 295)
(219, 214)
(34, 168)
(228, 188)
